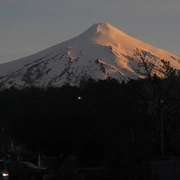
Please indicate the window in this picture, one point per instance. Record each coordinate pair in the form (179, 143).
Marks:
(11, 165)
(20, 166)
(31, 165)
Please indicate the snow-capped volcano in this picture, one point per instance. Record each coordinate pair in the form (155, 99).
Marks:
(99, 52)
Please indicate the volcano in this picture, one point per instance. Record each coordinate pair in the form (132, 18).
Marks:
(100, 52)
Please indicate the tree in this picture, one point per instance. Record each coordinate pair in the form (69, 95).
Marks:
(147, 65)
(167, 70)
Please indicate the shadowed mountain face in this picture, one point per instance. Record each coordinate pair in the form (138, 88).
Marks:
(101, 51)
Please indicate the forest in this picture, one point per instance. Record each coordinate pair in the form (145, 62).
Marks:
(104, 122)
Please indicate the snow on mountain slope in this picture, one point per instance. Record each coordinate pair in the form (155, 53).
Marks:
(99, 52)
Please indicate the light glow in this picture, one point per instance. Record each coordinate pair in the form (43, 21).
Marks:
(5, 174)
(79, 97)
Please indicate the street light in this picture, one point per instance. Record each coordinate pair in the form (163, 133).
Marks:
(79, 97)
(162, 129)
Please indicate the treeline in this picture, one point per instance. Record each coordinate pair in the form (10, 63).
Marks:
(103, 122)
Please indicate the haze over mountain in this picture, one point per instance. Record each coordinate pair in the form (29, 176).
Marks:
(99, 52)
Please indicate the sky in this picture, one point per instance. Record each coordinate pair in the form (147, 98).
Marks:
(29, 26)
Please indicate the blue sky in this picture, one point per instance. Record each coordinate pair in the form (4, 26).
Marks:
(29, 26)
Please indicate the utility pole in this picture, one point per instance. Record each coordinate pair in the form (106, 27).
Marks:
(2, 144)
(162, 128)
(39, 160)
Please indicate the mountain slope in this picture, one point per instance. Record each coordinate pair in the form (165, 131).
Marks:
(99, 52)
